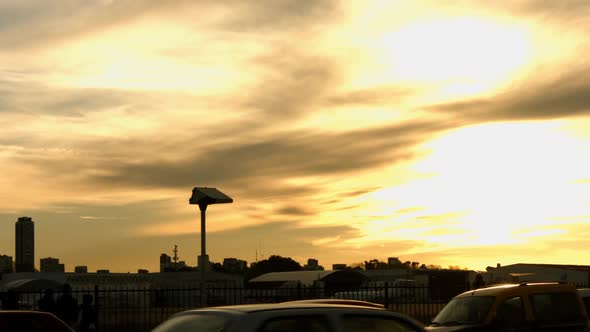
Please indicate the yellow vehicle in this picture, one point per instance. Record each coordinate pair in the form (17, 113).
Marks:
(585, 295)
(515, 307)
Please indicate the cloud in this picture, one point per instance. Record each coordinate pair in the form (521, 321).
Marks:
(293, 83)
(380, 95)
(274, 158)
(30, 97)
(284, 15)
(293, 211)
(565, 96)
(571, 12)
(33, 23)
(101, 218)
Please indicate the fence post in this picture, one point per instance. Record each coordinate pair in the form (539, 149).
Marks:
(96, 306)
(386, 295)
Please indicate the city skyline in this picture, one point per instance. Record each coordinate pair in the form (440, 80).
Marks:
(52, 264)
(445, 133)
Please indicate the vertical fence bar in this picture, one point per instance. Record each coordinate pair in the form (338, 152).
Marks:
(96, 306)
(386, 294)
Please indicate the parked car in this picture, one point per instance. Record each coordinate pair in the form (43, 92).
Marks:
(290, 317)
(31, 321)
(515, 307)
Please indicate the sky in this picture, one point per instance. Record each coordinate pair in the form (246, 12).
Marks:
(453, 133)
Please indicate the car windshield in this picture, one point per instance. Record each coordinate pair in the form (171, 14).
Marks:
(464, 310)
(193, 322)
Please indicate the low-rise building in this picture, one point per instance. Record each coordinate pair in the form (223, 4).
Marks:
(337, 267)
(51, 264)
(165, 262)
(5, 264)
(234, 265)
(81, 269)
(312, 265)
(525, 272)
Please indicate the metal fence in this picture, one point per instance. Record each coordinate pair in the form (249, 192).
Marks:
(141, 309)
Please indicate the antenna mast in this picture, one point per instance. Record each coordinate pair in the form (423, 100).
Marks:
(175, 258)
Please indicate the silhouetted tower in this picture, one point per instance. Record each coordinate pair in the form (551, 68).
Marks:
(175, 258)
(25, 245)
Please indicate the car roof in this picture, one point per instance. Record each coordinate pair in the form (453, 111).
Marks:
(248, 308)
(340, 301)
(25, 312)
(507, 289)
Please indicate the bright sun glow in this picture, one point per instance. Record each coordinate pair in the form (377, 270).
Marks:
(468, 55)
(487, 184)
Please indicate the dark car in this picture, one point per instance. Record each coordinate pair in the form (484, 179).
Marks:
(31, 321)
(549, 307)
(295, 316)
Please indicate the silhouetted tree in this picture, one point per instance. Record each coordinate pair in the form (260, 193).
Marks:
(274, 263)
(423, 267)
(375, 264)
(415, 265)
(407, 265)
(356, 266)
(394, 262)
(217, 267)
(456, 267)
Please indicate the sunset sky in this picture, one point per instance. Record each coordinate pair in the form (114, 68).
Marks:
(455, 134)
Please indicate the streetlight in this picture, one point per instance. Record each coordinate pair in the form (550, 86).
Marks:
(203, 196)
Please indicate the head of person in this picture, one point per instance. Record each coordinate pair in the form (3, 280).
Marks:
(66, 289)
(49, 292)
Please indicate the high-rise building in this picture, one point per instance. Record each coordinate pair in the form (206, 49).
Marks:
(81, 269)
(51, 264)
(5, 264)
(25, 245)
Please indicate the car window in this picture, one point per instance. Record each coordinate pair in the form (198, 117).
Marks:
(465, 310)
(556, 307)
(192, 323)
(316, 323)
(511, 311)
(359, 323)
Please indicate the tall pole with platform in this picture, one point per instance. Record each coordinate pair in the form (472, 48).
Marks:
(203, 197)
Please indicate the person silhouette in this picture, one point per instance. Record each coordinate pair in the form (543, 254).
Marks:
(478, 282)
(67, 306)
(47, 302)
(88, 314)
(10, 302)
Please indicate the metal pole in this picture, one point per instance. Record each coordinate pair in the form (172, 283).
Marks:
(204, 260)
